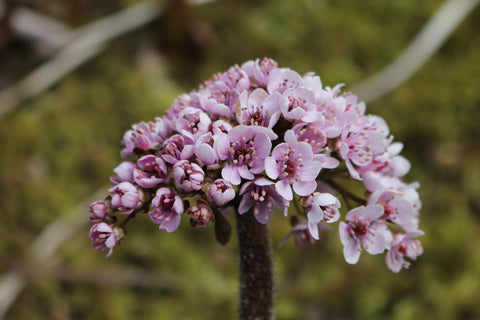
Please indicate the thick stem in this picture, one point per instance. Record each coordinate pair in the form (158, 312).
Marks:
(256, 269)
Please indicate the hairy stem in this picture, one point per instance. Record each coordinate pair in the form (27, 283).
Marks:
(256, 269)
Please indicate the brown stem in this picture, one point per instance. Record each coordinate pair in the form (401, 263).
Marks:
(256, 269)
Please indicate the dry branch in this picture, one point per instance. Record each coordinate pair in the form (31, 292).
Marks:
(422, 47)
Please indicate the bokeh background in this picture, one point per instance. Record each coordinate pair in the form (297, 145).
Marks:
(58, 148)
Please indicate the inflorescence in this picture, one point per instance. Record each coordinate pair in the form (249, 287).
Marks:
(259, 138)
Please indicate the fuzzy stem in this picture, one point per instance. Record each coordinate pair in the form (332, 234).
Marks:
(256, 269)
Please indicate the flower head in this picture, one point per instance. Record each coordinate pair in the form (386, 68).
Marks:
(255, 138)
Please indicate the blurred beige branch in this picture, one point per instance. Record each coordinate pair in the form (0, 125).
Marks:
(77, 46)
(422, 47)
(87, 42)
(47, 34)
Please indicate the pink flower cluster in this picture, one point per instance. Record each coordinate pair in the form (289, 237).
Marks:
(257, 138)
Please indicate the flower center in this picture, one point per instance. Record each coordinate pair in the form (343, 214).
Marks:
(359, 228)
(242, 153)
(289, 168)
(167, 201)
(256, 118)
(221, 186)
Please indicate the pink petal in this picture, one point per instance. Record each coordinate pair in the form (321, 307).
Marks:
(170, 223)
(263, 144)
(304, 188)
(245, 204)
(351, 251)
(283, 188)
(205, 153)
(271, 168)
(230, 174)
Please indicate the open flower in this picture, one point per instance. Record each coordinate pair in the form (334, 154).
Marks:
(364, 229)
(105, 237)
(167, 208)
(262, 196)
(151, 172)
(292, 164)
(245, 148)
(403, 246)
(320, 206)
(259, 108)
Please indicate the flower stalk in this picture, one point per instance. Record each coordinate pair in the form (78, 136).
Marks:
(256, 269)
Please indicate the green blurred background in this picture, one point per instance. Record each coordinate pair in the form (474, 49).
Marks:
(59, 147)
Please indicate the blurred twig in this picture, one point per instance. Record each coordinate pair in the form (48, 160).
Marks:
(48, 34)
(422, 47)
(87, 42)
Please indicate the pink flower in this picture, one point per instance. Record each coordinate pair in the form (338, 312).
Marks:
(245, 148)
(152, 171)
(364, 229)
(259, 71)
(200, 214)
(397, 209)
(301, 234)
(403, 246)
(99, 210)
(192, 122)
(300, 105)
(262, 196)
(167, 208)
(259, 108)
(124, 172)
(142, 137)
(204, 149)
(312, 134)
(188, 176)
(105, 237)
(220, 192)
(321, 206)
(126, 197)
(177, 147)
(282, 79)
(292, 164)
